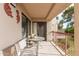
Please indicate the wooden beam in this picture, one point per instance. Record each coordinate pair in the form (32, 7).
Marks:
(76, 28)
(49, 10)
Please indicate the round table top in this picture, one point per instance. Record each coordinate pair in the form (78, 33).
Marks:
(37, 39)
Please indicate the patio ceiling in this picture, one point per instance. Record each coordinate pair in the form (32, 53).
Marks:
(43, 11)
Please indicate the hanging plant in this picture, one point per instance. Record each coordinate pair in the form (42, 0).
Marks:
(7, 9)
(17, 16)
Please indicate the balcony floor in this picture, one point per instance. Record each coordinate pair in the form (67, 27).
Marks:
(45, 48)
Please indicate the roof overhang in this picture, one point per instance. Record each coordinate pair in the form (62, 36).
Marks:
(43, 11)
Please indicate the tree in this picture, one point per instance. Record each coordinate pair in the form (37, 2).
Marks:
(60, 25)
(67, 15)
(67, 18)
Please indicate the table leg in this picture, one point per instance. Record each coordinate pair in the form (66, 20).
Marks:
(37, 46)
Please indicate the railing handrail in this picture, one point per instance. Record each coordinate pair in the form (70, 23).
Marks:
(64, 33)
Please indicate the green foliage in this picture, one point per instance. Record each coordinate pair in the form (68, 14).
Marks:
(67, 18)
(69, 30)
(60, 25)
(68, 13)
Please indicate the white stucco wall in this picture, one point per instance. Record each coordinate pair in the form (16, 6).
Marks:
(51, 26)
(10, 31)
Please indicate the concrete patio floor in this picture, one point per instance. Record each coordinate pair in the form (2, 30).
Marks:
(45, 48)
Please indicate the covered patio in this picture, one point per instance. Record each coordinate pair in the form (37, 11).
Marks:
(35, 40)
(45, 48)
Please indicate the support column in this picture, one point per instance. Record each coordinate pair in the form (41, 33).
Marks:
(31, 27)
(76, 28)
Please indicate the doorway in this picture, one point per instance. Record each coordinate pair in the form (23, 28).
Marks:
(42, 29)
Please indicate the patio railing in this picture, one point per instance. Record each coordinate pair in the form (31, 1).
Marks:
(65, 41)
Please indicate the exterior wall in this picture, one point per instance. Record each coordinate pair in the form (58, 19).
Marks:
(10, 31)
(51, 26)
